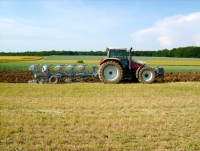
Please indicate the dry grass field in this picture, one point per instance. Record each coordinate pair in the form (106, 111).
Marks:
(4, 59)
(96, 116)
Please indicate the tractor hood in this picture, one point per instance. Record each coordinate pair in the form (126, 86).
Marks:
(137, 64)
(141, 62)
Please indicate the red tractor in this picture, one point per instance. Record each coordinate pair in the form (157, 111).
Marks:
(117, 66)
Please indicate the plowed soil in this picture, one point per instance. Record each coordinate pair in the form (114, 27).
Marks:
(19, 76)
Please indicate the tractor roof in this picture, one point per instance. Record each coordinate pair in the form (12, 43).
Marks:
(115, 48)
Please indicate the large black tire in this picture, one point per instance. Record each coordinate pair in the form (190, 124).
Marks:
(110, 72)
(146, 75)
(53, 79)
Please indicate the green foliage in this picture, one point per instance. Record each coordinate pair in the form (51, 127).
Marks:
(183, 52)
(53, 52)
(80, 61)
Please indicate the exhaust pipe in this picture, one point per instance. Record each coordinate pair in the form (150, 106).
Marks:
(130, 59)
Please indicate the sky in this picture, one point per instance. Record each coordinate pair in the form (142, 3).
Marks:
(85, 25)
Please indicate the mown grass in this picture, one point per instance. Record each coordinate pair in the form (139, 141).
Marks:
(85, 116)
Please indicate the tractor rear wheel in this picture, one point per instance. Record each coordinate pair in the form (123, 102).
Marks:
(53, 79)
(110, 72)
(146, 75)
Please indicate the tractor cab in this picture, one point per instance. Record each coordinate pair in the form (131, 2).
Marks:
(117, 53)
(120, 54)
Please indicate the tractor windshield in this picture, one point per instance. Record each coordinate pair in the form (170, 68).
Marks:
(117, 54)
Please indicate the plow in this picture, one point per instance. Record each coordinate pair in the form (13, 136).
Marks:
(61, 73)
(116, 67)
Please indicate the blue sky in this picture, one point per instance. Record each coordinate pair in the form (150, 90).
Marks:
(84, 25)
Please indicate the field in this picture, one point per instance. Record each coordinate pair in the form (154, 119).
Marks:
(176, 69)
(5, 59)
(96, 116)
(170, 64)
(84, 116)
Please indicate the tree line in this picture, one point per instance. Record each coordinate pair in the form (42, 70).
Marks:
(54, 52)
(182, 52)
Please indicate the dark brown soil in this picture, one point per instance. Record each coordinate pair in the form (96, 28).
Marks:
(19, 76)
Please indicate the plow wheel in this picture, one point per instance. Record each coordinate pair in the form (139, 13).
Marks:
(110, 72)
(146, 75)
(53, 80)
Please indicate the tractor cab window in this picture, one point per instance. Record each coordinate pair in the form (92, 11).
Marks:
(112, 54)
(118, 54)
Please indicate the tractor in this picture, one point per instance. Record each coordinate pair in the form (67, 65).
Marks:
(118, 66)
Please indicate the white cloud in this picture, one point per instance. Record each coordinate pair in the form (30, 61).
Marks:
(165, 42)
(197, 39)
(170, 32)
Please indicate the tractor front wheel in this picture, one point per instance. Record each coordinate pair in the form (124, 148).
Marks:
(110, 72)
(146, 75)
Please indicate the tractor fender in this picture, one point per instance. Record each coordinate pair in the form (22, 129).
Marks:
(109, 59)
(137, 71)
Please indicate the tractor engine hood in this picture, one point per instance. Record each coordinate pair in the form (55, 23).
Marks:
(136, 64)
(141, 62)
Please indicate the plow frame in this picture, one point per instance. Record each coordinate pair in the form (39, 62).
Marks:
(70, 75)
